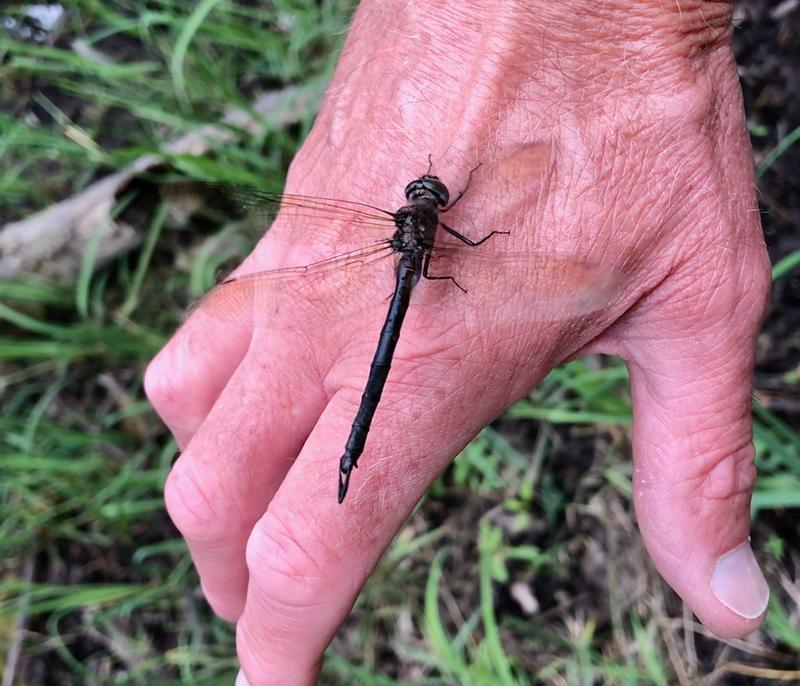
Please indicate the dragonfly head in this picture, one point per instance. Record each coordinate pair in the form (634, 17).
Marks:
(430, 187)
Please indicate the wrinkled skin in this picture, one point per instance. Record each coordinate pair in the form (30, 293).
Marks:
(617, 135)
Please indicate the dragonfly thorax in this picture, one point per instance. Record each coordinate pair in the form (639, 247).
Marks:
(416, 226)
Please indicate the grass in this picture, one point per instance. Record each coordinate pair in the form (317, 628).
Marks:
(522, 566)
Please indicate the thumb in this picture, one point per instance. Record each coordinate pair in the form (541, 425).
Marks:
(694, 471)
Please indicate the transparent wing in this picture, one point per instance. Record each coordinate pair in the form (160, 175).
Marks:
(511, 286)
(335, 286)
(538, 286)
(333, 205)
(322, 218)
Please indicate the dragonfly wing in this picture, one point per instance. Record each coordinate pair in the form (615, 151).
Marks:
(323, 220)
(530, 285)
(280, 297)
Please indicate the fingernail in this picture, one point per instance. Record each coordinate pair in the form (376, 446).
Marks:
(738, 583)
(241, 679)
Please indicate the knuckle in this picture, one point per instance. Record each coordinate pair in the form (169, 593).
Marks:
(730, 476)
(723, 294)
(190, 507)
(283, 551)
(723, 476)
(159, 383)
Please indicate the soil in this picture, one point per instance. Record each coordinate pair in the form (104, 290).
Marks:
(768, 52)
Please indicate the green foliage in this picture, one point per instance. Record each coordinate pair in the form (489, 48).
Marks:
(91, 567)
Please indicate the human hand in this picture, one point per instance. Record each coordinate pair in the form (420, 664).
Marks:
(618, 135)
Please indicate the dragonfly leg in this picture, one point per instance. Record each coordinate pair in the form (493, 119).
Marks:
(426, 264)
(430, 164)
(463, 190)
(469, 241)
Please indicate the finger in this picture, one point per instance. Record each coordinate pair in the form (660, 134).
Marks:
(312, 677)
(228, 473)
(187, 376)
(308, 556)
(693, 456)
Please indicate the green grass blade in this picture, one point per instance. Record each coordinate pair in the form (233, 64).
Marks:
(190, 27)
(783, 145)
(785, 265)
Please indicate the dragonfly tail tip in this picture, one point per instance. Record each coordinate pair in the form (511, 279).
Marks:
(344, 482)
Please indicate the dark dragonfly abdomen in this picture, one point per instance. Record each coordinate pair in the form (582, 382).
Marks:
(408, 273)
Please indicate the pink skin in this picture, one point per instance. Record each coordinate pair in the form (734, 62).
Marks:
(618, 136)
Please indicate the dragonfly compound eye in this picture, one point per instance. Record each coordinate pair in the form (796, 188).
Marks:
(428, 186)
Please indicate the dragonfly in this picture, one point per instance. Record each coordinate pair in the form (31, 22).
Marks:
(409, 236)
